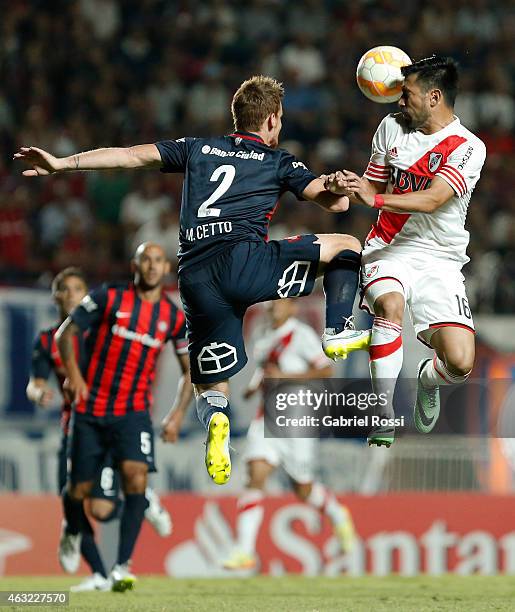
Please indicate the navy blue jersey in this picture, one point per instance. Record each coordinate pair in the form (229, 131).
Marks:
(231, 188)
(126, 336)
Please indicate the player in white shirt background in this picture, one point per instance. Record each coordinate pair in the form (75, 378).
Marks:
(422, 171)
(287, 348)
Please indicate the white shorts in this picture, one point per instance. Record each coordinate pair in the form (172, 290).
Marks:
(295, 455)
(434, 290)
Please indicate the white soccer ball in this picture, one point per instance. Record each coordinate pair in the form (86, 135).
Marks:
(379, 73)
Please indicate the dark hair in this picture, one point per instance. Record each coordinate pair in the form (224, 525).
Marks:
(67, 273)
(255, 100)
(436, 72)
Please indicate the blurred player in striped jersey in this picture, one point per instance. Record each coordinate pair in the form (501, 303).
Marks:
(125, 328)
(289, 349)
(423, 169)
(69, 287)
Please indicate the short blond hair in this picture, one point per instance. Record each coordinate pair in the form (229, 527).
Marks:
(255, 100)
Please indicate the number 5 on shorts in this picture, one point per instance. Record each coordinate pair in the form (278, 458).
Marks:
(146, 442)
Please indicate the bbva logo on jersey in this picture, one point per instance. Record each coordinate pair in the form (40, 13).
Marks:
(435, 159)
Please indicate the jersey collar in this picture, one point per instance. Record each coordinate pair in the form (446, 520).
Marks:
(248, 136)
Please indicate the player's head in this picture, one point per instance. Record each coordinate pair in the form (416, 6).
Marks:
(256, 107)
(429, 85)
(68, 289)
(150, 265)
(279, 311)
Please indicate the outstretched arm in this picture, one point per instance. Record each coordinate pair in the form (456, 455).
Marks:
(42, 163)
(331, 202)
(426, 200)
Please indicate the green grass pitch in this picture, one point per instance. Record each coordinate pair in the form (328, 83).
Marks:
(288, 594)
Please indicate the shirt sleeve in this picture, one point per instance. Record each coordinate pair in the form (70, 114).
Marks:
(90, 311)
(174, 154)
(293, 174)
(463, 166)
(41, 363)
(178, 334)
(377, 169)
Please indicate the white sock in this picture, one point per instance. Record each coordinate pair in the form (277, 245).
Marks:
(435, 373)
(325, 501)
(250, 517)
(385, 359)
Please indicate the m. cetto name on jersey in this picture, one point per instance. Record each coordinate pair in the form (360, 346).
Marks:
(207, 150)
(207, 230)
(145, 339)
(406, 181)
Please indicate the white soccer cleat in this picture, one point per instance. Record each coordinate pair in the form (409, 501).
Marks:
(156, 515)
(338, 346)
(69, 550)
(346, 532)
(239, 560)
(427, 405)
(121, 579)
(92, 583)
(218, 458)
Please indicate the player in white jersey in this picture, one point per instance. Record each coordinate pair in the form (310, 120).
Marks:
(422, 171)
(289, 349)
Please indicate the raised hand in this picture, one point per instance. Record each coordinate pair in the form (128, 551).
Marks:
(41, 162)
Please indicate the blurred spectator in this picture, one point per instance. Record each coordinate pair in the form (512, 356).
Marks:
(90, 73)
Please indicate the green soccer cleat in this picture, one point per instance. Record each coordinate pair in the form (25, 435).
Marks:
(427, 405)
(121, 579)
(218, 458)
(381, 436)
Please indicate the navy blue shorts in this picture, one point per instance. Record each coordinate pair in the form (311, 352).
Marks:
(107, 480)
(217, 293)
(99, 442)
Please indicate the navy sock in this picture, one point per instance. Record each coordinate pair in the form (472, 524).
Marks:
(340, 286)
(73, 511)
(130, 524)
(91, 554)
(210, 402)
(78, 522)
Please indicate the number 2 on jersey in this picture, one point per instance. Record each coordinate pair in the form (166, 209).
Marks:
(229, 173)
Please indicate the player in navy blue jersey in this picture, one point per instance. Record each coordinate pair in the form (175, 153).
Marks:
(231, 188)
(126, 328)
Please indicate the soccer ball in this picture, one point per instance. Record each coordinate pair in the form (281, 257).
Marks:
(379, 73)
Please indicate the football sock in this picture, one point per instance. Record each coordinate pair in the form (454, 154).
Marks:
(73, 513)
(385, 360)
(91, 554)
(248, 522)
(210, 402)
(435, 373)
(78, 522)
(130, 524)
(324, 500)
(340, 285)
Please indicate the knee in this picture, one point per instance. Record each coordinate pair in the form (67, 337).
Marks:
(349, 243)
(101, 510)
(80, 490)
(459, 361)
(134, 480)
(391, 307)
(302, 491)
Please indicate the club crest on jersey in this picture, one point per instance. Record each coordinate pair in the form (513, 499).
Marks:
(237, 141)
(371, 271)
(435, 159)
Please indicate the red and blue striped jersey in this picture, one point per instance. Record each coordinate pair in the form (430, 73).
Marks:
(46, 359)
(126, 336)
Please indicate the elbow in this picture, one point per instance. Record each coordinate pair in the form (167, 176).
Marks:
(432, 205)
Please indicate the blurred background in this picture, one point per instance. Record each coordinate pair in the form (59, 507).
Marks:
(89, 73)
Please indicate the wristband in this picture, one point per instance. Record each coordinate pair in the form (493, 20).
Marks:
(378, 201)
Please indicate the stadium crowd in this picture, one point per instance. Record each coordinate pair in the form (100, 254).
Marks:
(88, 73)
